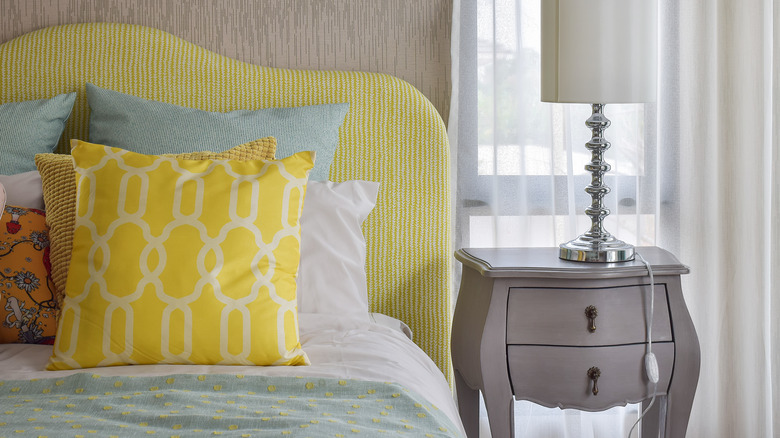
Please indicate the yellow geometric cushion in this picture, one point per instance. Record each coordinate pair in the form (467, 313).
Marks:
(182, 261)
(59, 195)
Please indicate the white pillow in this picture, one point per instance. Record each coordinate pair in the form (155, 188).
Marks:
(2, 199)
(23, 189)
(332, 272)
(393, 323)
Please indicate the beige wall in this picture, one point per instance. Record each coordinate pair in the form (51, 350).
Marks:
(406, 38)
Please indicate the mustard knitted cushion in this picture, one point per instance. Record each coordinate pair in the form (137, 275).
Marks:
(59, 196)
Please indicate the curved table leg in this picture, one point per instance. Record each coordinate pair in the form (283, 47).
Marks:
(468, 406)
(678, 413)
(653, 421)
(687, 360)
(500, 405)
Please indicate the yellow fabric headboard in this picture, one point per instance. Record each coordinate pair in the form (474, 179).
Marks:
(392, 134)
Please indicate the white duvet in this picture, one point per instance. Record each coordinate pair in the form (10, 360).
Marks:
(337, 346)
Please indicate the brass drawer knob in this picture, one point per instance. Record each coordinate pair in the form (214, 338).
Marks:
(591, 312)
(593, 374)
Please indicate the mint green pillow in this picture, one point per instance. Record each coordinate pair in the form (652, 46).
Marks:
(31, 127)
(151, 127)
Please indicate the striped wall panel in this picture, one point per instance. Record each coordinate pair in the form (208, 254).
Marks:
(409, 39)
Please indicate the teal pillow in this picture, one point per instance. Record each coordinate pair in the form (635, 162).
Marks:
(151, 127)
(31, 127)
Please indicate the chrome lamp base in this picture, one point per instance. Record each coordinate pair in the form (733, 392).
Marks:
(597, 245)
(584, 249)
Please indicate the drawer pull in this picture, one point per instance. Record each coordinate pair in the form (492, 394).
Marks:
(591, 312)
(594, 373)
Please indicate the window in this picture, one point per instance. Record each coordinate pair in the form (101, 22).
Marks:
(527, 171)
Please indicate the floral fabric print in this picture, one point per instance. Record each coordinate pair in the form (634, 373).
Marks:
(27, 305)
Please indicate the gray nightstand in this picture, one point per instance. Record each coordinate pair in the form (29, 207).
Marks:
(524, 327)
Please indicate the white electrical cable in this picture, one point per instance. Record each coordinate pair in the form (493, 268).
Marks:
(651, 364)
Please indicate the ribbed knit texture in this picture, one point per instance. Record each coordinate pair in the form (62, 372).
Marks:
(392, 134)
(59, 196)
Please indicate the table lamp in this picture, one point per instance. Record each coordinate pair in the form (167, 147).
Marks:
(598, 52)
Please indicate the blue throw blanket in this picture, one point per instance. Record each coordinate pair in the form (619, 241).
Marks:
(218, 404)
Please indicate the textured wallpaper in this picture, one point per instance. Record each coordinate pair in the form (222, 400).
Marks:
(409, 39)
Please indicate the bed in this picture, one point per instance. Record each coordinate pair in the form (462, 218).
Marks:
(366, 375)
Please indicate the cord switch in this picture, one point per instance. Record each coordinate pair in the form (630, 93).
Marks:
(651, 367)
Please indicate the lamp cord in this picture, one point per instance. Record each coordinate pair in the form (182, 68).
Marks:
(649, 346)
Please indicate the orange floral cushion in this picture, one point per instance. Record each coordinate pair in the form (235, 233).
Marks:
(27, 304)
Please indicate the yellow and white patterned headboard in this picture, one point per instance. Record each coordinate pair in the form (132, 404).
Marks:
(392, 134)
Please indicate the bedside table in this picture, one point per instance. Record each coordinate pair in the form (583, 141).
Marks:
(565, 334)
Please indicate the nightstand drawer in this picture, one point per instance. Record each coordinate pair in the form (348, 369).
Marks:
(542, 374)
(538, 316)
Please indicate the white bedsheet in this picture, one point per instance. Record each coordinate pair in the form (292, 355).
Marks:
(337, 347)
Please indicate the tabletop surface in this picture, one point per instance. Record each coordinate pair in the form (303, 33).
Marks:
(544, 262)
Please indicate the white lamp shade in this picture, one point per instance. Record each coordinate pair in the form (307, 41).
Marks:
(599, 51)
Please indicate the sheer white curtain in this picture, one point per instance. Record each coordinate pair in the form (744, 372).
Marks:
(729, 203)
(694, 173)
